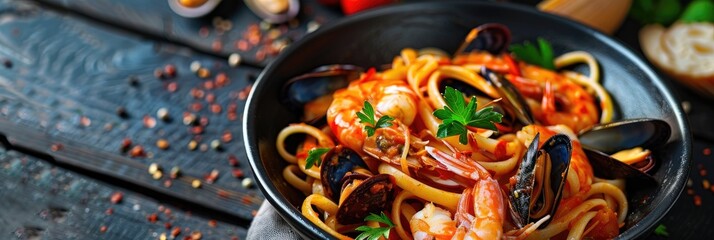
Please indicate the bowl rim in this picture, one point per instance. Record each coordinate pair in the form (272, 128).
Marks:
(310, 230)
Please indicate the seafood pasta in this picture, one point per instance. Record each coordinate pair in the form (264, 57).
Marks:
(480, 145)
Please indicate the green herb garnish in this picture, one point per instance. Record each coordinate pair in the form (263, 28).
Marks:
(699, 11)
(456, 115)
(315, 156)
(370, 233)
(366, 117)
(661, 230)
(541, 55)
(664, 12)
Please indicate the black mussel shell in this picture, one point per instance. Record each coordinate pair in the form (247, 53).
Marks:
(613, 137)
(554, 159)
(372, 196)
(491, 37)
(512, 99)
(607, 167)
(336, 164)
(322, 81)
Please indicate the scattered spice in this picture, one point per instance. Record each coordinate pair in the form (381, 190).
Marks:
(203, 121)
(197, 93)
(247, 183)
(196, 130)
(707, 151)
(172, 87)
(212, 176)
(216, 108)
(175, 232)
(702, 172)
(175, 172)
(56, 147)
(103, 229)
(167, 225)
(163, 114)
(125, 145)
(157, 175)
(159, 74)
(227, 136)
(237, 173)
(116, 197)
(210, 98)
(243, 95)
(203, 32)
(168, 183)
(203, 73)
(697, 200)
(233, 160)
(7, 63)
(195, 66)
(234, 60)
(223, 194)
(196, 235)
(84, 121)
(690, 191)
(197, 106)
(216, 46)
(189, 119)
(196, 183)
(216, 145)
(149, 122)
(212, 223)
(109, 211)
(133, 81)
(203, 147)
(208, 85)
(153, 168)
(121, 112)
(152, 218)
(137, 151)
(192, 145)
(162, 144)
(706, 184)
(170, 70)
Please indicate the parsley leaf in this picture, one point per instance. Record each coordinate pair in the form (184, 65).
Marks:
(661, 230)
(370, 233)
(457, 115)
(699, 11)
(314, 156)
(366, 117)
(541, 55)
(664, 12)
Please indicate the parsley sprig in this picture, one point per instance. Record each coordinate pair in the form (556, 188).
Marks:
(661, 230)
(366, 117)
(370, 233)
(314, 156)
(541, 55)
(457, 115)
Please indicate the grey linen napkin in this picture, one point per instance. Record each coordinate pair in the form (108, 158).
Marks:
(267, 224)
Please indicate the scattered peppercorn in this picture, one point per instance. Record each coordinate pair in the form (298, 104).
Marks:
(152, 218)
(196, 235)
(162, 144)
(125, 145)
(192, 145)
(163, 236)
(212, 176)
(175, 232)
(237, 173)
(116, 197)
(103, 229)
(697, 200)
(154, 168)
(702, 172)
(233, 160)
(170, 70)
(196, 183)
(137, 151)
(215, 108)
(706, 184)
(159, 74)
(212, 223)
(247, 183)
(172, 87)
(707, 151)
(109, 211)
(149, 122)
(168, 183)
(84, 121)
(216, 145)
(189, 119)
(163, 114)
(175, 172)
(195, 66)
(203, 73)
(121, 112)
(56, 147)
(133, 81)
(234, 60)
(7, 63)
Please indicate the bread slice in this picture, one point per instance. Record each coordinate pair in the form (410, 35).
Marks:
(685, 52)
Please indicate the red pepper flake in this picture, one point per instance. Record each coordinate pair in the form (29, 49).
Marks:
(221, 80)
(103, 229)
(246, 200)
(212, 223)
(197, 93)
(167, 212)
(223, 194)
(175, 232)
(215, 108)
(210, 98)
(233, 160)
(707, 151)
(238, 173)
(168, 183)
(152, 218)
(56, 147)
(260, 55)
(137, 151)
(167, 225)
(242, 45)
(125, 144)
(232, 108)
(109, 211)
(170, 70)
(203, 121)
(196, 130)
(702, 172)
(196, 235)
(232, 116)
(208, 85)
(172, 87)
(116, 197)
(149, 121)
(227, 136)
(697, 200)
(690, 191)
(217, 46)
(203, 32)
(212, 176)
(85, 121)
(244, 93)
(196, 107)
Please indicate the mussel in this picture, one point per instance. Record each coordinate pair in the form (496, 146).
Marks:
(491, 37)
(511, 98)
(357, 193)
(320, 82)
(602, 140)
(540, 180)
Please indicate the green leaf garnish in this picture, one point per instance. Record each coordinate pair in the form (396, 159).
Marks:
(457, 115)
(315, 156)
(541, 55)
(370, 233)
(661, 230)
(366, 117)
(699, 11)
(664, 12)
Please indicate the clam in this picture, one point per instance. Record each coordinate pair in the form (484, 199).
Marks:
(317, 84)
(540, 180)
(491, 37)
(337, 163)
(370, 196)
(274, 11)
(602, 140)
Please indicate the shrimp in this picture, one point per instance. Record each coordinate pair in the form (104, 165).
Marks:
(479, 215)
(389, 97)
(562, 101)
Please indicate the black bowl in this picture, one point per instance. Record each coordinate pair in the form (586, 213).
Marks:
(374, 38)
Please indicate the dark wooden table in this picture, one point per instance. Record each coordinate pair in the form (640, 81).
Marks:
(78, 77)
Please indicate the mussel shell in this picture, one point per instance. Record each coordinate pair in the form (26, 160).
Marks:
(512, 98)
(607, 167)
(322, 81)
(491, 37)
(371, 196)
(559, 150)
(613, 137)
(337, 162)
